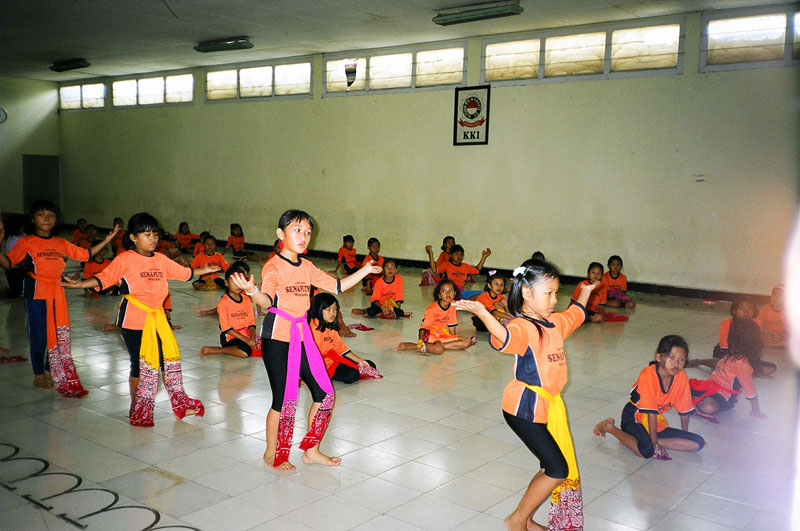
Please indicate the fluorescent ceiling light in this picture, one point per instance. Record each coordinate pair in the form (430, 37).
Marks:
(460, 15)
(222, 45)
(69, 64)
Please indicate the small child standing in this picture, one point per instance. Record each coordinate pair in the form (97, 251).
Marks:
(454, 269)
(387, 295)
(774, 331)
(209, 256)
(346, 259)
(616, 283)
(661, 386)
(429, 276)
(342, 365)
(437, 332)
(237, 322)
(598, 296)
(374, 246)
(493, 300)
(43, 257)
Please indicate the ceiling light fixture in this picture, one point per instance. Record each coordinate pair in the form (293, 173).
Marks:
(69, 64)
(471, 13)
(223, 45)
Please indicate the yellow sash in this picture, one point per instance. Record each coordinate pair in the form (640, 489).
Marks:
(155, 325)
(661, 420)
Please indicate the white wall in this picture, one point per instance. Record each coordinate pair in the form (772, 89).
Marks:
(579, 170)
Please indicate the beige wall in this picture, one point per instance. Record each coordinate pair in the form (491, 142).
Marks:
(31, 129)
(579, 170)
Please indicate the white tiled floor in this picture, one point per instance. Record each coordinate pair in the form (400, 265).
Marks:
(424, 448)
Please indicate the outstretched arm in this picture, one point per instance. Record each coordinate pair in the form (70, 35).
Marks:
(586, 291)
(208, 268)
(492, 325)
(350, 281)
(67, 282)
(248, 285)
(484, 255)
(110, 236)
(429, 250)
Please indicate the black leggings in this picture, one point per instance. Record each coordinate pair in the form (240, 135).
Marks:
(133, 340)
(374, 310)
(541, 444)
(276, 361)
(629, 425)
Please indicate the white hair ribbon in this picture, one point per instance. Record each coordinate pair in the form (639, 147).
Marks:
(520, 270)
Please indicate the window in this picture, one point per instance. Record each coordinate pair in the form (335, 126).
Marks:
(257, 81)
(336, 74)
(154, 90)
(88, 96)
(512, 60)
(440, 67)
(390, 71)
(574, 54)
(645, 48)
(796, 47)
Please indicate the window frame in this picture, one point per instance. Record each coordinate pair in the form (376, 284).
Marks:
(413, 50)
(608, 28)
(253, 64)
(80, 84)
(148, 75)
(788, 43)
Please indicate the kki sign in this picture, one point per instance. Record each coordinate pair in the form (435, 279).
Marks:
(471, 119)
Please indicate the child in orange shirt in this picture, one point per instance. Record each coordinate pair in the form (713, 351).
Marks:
(289, 351)
(43, 256)
(616, 283)
(341, 364)
(662, 385)
(79, 234)
(532, 403)
(454, 269)
(598, 296)
(374, 246)
(774, 331)
(210, 281)
(437, 332)
(732, 374)
(167, 248)
(89, 240)
(429, 276)
(142, 275)
(236, 242)
(96, 264)
(184, 238)
(199, 247)
(346, 258)
(492, 299)
(237, 322)
(119, 239)
(387, 295)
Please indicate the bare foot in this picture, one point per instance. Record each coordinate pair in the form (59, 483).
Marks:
(600, 429)
(347, 333)
(533, 526)
(515, 523)
(110, 327)
(41, 383)
(205, 350)
(406, 345)
(269, 458)
(191, 412)
(314, 456)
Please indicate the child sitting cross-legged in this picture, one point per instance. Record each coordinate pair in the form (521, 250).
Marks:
(437, 332)
(237, 322)
(387, 295)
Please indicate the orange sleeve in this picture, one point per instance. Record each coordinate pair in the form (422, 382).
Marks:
(71, 250)
(648, 387)
(724, 329)
(112, 274)
(18, 253)
(682, 399)
(602, 294)
(516, 341)
(224, 315)
(577, 291)
(222, 262)
(175, 271)
(323, 280)
(569, 320)
(471, 270)
(195, 263)
(230, 242)
(744, 373)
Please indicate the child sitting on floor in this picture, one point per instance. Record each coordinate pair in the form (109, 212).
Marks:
(79, 234)
(184, 238)
(774, 331)
(209, 281)
(616, 283)
(346, 259)
(661, 386)
(454, 269)
(598, 296)
(493, 300)
(374, 246)
(732, 374)
(199, 247)
(387, 295)
(341, 364)
(429, 276)
(236, 241)
(237, 322)
(97, 263)
(437, 332)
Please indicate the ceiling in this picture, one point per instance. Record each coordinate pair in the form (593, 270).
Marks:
(121, 37)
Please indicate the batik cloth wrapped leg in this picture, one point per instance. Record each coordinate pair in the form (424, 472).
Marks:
(156, 326)
(59, 348)
(566, 503)
(619, 295)
(365, 372)
(301, 338)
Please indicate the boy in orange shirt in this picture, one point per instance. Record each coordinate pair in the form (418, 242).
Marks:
(210, 281)
(346, 259)
(454, 269)
(387, 295)
(237, 322)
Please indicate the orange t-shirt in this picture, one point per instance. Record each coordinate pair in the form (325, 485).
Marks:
(439, 318)
(378, 262)
(44, 257)
(163, 246)
(85, 244)
(724, 330)
(731, 368)
(235, 315)
(620, 283)
(120, 250)
(92, 268)
(348, 256)
(649, 397)
(144, 277)
(78, 237)
(185, 240)
(288, 284)
(327, 340)
(538, 361)
(237, 242)
(597, 297)
(383, 291)
(198, 249)
(486, 299)
(119, 238)
(443, 257)
(457, 273)
(202, 260)
(769, 319)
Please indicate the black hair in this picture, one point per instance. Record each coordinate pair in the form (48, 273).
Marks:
(444, 242)
(387, 260)
(208, 237)
(120, 219)
(138, 223)
(181, 224)
(204, 234)
(437, 290)
(90, 226)
(491, 276)
(236, 226)
(614, 257)
(593, 265)
(456, 248)
(44, 205)
(538, 255)
(348, 238)
(320, 302)
(535, 272)
(239, 266)
(744, 339)
(81, 219)
(373, 240)
(276, 245)
(736, 304)
(294, 215)
(671, 341)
